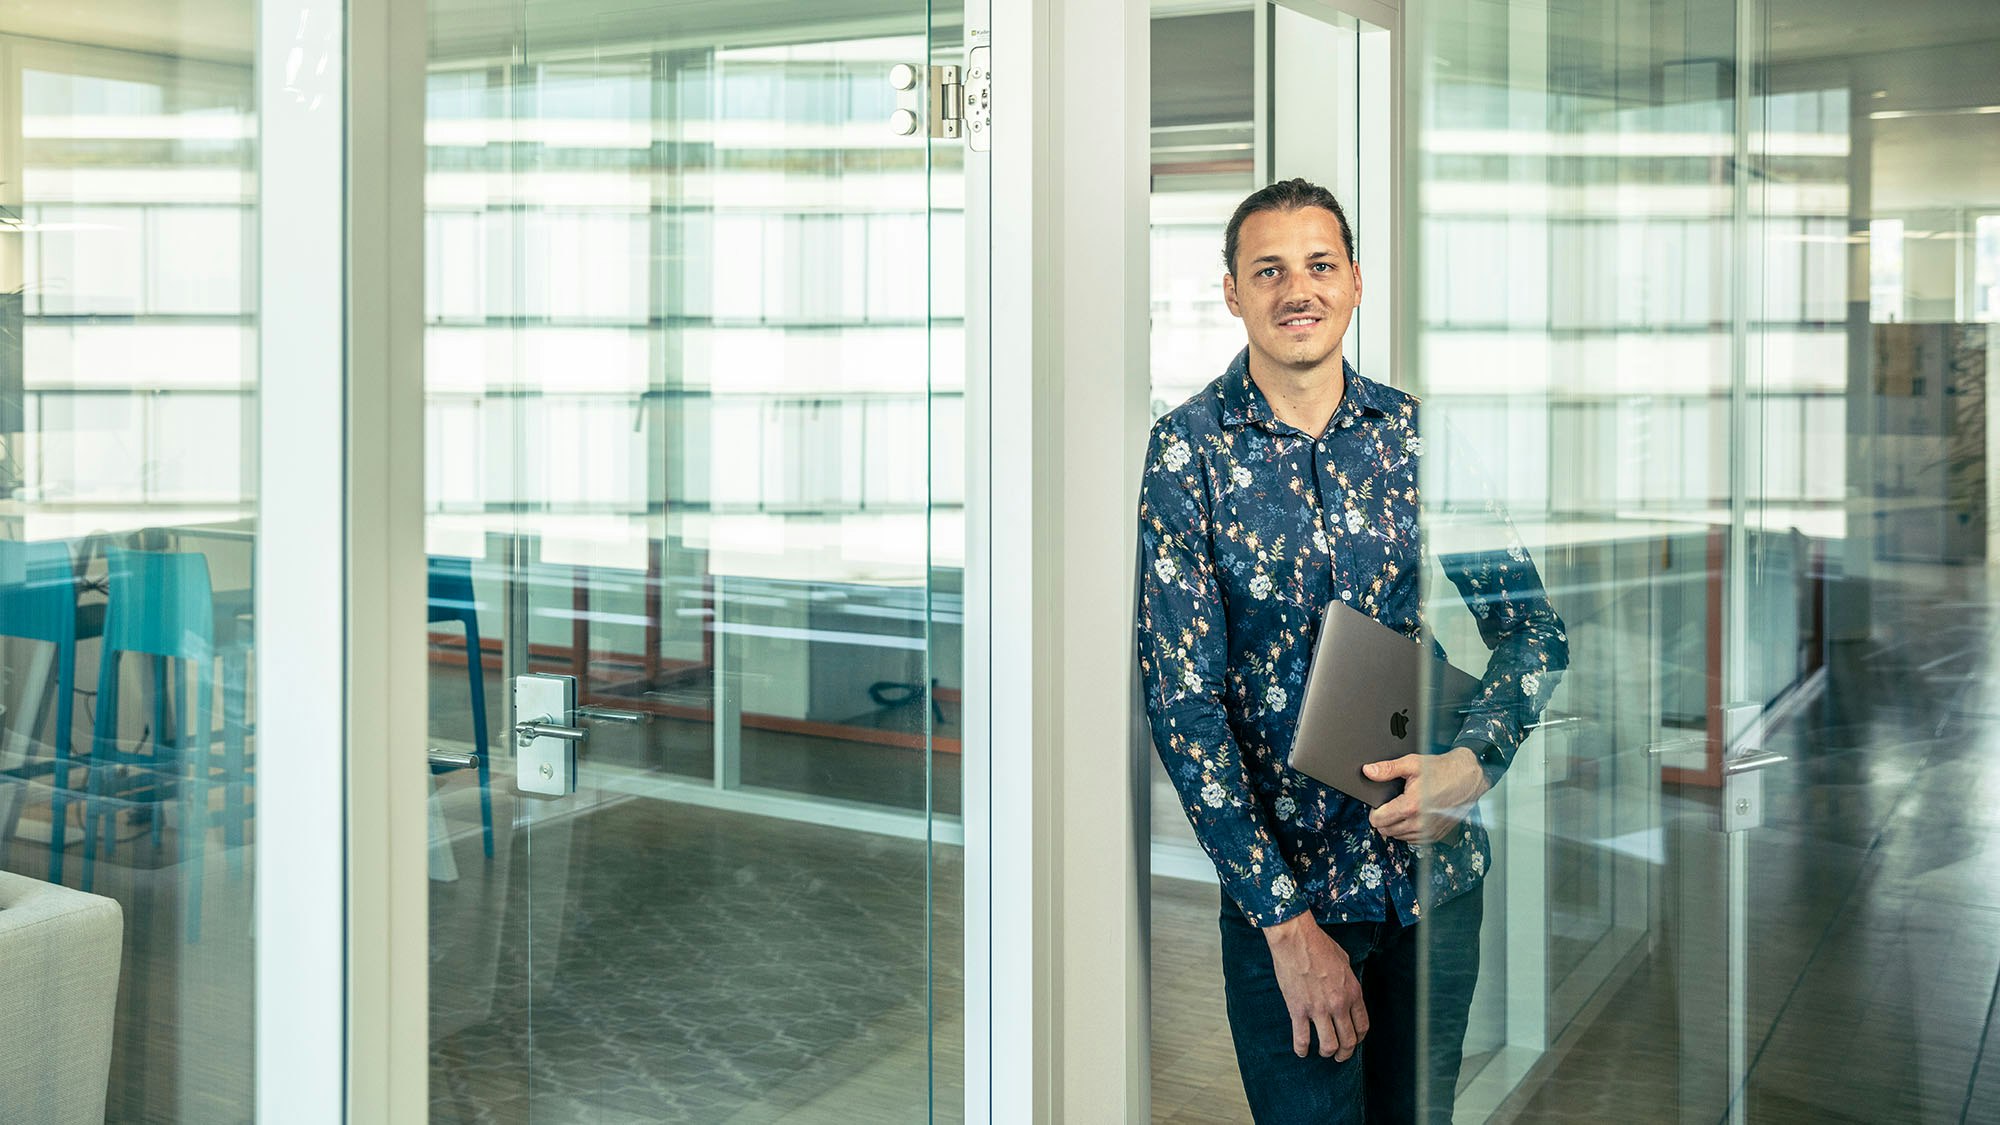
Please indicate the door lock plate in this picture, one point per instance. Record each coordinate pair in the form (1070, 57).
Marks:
(1742, 801)
(545, 763)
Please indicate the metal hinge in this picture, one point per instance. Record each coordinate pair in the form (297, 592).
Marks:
(947, 102)
(960, 102)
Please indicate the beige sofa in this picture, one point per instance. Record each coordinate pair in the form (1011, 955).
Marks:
(59, 959)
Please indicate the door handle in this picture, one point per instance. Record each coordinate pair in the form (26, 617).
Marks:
(546, 745)
(531, 729)
(1758, 760)
(1743, 789)
(452, 760)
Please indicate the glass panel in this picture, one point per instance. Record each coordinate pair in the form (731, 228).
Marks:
(1215, 138)
(1204, 160)
(127, 530)
(687, 384)
(1724, 335)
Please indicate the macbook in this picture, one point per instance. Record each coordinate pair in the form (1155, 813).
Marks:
(1364, 703)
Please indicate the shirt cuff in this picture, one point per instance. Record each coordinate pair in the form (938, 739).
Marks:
(1283, 911)
(1279, 900)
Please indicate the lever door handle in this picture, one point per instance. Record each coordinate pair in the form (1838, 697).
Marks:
(451, 760)
(1749, 762)
(538, 728)
(546, 738)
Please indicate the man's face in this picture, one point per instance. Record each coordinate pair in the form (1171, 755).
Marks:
(1293, 285)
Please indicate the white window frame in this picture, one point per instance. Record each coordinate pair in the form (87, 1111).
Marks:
(342, 917)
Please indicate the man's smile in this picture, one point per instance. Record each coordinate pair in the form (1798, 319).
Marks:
(1301, 323)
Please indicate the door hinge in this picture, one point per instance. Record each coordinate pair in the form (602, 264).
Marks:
(959, 104)
(961, 100)
(947, 114)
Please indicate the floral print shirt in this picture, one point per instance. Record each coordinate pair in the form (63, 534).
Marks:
(1248, 528)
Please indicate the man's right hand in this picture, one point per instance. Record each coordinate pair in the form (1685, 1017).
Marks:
(1319, 986)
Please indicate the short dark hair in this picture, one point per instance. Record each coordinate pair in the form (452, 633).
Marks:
(1285, 195)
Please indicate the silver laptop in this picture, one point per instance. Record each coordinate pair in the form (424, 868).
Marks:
(1362, 704)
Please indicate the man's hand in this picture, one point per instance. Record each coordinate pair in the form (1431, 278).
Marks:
(1438, 791)
(1320, 988)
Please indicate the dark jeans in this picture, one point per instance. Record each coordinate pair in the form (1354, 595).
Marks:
(1407, 1004)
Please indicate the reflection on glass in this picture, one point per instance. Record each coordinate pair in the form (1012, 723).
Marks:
(684, 371)
(127, 461)
(1203, 163)
(1716, 314)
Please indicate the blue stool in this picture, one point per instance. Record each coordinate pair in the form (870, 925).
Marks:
(451, 599)
(160, 605)
(41, 606)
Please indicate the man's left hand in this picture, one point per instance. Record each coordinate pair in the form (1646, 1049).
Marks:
(1438, 791)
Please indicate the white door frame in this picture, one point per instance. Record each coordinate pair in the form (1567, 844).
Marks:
(1057, 860)
(342, 914)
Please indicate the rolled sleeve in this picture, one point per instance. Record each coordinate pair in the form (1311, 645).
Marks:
(1528, 642)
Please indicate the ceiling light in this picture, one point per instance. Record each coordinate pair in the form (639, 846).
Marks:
(1956, 111)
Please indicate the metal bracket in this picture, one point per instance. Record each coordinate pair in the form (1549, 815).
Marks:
(546, 733)
(947, 102)
(977, 96)
(1743, 771)
(960, 99)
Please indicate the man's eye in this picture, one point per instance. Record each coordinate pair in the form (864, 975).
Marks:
(1323, 266)
(1268, 271)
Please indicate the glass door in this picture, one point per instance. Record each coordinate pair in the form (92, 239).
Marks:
(1708, 281)
(695, 343)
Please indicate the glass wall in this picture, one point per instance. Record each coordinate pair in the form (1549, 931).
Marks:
(128, 462)
(694, 380)
(1204, 157)
(1702, 283)
(1704, 301)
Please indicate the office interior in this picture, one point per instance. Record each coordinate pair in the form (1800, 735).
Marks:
(1706, 290)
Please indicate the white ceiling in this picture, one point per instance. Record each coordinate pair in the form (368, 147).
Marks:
(1808, 29)
(219, 30)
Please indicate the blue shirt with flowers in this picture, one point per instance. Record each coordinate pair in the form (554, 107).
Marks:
(1248, 528)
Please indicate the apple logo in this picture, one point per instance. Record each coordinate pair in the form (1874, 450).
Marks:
(1399, 723)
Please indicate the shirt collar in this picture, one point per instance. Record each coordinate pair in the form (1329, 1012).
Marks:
(1243, 402)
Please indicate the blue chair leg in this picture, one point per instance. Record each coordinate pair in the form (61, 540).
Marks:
(104, 734)
(235, 685)
(65, 724)
(194, 840)
(161, 754)
(475, 669)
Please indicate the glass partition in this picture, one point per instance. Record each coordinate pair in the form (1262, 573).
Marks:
(695, 406)
(1703, 304)
(128, 469)
(1701, 284)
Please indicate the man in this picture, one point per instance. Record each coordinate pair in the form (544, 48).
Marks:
(1285, 484)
